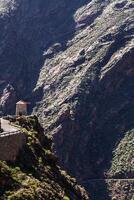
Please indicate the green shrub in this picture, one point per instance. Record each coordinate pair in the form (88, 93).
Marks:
(66, 198)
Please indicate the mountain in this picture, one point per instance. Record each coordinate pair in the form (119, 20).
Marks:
(74, 62)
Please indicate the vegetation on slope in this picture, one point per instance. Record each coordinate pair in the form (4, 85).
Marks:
(35, 174)
(123, 162)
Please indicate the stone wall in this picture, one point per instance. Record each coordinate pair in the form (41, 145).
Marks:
(10, 144)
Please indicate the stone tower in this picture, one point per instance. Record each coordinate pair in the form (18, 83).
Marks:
(21, 108)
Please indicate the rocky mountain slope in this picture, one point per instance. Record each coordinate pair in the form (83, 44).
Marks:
(74, 62)
(35, 174)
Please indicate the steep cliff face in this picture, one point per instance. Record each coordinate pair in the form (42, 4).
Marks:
(88, 88)
(75, 60)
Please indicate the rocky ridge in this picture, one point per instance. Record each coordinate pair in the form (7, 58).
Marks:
(34, 174)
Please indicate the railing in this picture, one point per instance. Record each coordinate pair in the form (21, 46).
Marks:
(5, 134)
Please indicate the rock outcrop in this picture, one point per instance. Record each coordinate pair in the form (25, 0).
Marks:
(74, 62)
(34, 173)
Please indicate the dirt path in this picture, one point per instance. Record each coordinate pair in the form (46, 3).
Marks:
(91, 180)
(7, 127)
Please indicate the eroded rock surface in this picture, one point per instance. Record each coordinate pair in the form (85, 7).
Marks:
(74, 62)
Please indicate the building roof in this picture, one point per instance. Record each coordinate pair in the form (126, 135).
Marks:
(21, 102)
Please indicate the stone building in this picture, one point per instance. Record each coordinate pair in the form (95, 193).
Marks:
(21, 108)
